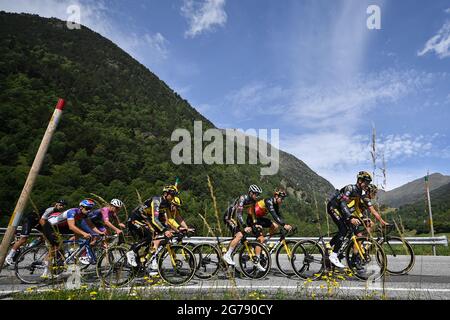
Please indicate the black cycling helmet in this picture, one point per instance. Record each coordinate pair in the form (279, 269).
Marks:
(365, 176)
(62, 201)
(280, 193)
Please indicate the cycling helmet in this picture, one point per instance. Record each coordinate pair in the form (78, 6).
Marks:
(176, 201)
(87, 203)
(254, 188)
(171, 189)
(116, 203)
(62, 201)
(280, 194)
(372, 190)
(365, 176)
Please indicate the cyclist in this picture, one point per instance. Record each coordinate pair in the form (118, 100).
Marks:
(341, 214)
(32, 221)
(235, 222)
(265, 206)
(366, 210)
(152, 214)
(174, 217)
(101, 217)
(65, 223)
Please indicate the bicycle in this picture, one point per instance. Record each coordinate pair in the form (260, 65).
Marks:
(37, 241)
(31, 263)
(282, 247)
(364, 256)
(176, 263)
(210, 258)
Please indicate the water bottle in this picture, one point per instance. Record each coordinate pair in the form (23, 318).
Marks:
(34, 242)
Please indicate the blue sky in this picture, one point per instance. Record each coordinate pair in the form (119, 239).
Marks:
(309, 68)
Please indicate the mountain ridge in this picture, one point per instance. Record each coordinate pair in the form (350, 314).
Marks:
(411, 191)
(114, 137)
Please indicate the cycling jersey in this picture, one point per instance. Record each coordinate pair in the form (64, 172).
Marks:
(48, 212)
(345, 199)
(30, 221)
(360, 208)
(264, 206)
(101, 215)
(60, 219)
(155, 211)
(235, 211)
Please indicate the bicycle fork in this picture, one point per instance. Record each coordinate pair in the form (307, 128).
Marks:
(358, 247)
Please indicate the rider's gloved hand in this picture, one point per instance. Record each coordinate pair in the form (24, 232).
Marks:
(168, 234)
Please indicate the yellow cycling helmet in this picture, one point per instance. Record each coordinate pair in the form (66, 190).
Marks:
(176, 201)
(280, 193)
(171, 189)
(372, 190)
(365, 176)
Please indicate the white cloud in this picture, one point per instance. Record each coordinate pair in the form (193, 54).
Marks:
(158, 43)
(440, 43)
(319, 106)
(403, 146)
(258, 97)
(337, 156)
(203, 15)
(96, 15)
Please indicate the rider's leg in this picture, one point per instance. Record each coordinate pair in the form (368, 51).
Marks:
(273, 229)
(16, 247)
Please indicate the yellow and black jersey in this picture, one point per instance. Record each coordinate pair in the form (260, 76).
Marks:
(156, 211)
(350, 200)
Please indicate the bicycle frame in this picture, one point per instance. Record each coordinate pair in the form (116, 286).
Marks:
(82, 244)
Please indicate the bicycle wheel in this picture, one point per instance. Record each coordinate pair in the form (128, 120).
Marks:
(176, 264)
(283, 257)
(208, 260)
(371, 264)
(30, 264)
(88, 263)
(399, 255)
(308, 259)
(113, 269)
(253, 266)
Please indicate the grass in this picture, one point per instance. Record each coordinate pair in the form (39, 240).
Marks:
(326, 289)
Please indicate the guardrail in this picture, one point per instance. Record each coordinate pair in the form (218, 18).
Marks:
(441, 240)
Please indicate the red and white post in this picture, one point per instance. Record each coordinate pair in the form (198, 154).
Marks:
(29, 183)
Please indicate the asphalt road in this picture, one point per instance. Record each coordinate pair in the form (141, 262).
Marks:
(429, 279)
